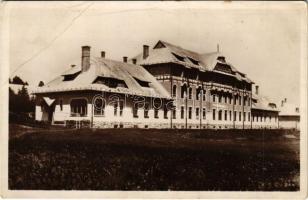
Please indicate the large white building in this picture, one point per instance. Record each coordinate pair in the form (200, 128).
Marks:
(163, 87)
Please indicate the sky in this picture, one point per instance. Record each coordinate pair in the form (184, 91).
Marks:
(262, 40)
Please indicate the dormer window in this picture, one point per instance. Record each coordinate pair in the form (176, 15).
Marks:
(71, 77)
(180, 58)
(142, 83)
(110, 82)
(195, 62)
(221, 58)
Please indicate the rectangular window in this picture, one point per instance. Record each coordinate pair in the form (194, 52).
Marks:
(240, 101)
(174, 113)
(220, 115)
(235, 100)
(115, 109)
(214, 114)
(230, 115)
(121, 108)
(165, 113)
(197, 113)
(219, 98)
(226, 98)
(182, 112)
(234, 116)
(61, 104)
(189, 112)
(204, 113)
(230, 99)
(214, 98)
(239, 116)
(244, 116)
(249, 116)
(226, 115)
(135, 111)
(198, 93)
(204, 95)
(78, 107)
(146, 111)
(155, 113)
(190, 93)
(248, 101)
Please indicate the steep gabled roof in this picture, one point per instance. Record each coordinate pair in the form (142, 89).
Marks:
(164, 52)
(288, 109)
(263, 103)
(101, 67)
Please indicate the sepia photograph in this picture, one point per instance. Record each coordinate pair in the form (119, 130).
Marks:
(179, 99)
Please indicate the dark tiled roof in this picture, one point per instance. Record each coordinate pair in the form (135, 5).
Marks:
(164, 52)
(101, 67)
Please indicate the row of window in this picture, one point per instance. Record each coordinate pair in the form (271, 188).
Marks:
(201, 92)
(79, 108)
(263, 118)
(226, 115)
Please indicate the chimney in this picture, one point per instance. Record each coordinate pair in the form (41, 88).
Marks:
(134, 61)
(85, 58)
(257, 89)
(103, 54)
(125, 59)
(285, 100)
(282, 103)
(145, 51)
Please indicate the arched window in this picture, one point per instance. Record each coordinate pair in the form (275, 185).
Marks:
(78, 107)
(183, 90)
(174, 91)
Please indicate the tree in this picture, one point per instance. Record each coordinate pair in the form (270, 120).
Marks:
(41, 84)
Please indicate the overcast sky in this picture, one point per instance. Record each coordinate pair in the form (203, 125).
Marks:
(264, 42)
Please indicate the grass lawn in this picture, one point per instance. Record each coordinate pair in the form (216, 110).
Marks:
(136, 159)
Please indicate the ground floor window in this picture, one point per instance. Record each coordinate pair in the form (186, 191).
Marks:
(182, 112)
(146, 111)
(244, 116)
(226, 115)
(135, 111)
(174, 113)
(197, 113)
(165, 113)
(239, 116)
(189, 112)
(78, 107)
(249, 116)
(61, 104)
(155, 113)
(214, 114)
(220, 115)
(234, 117)
(99, 107)
(204, 113)
(121, 107)
(230, 115)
